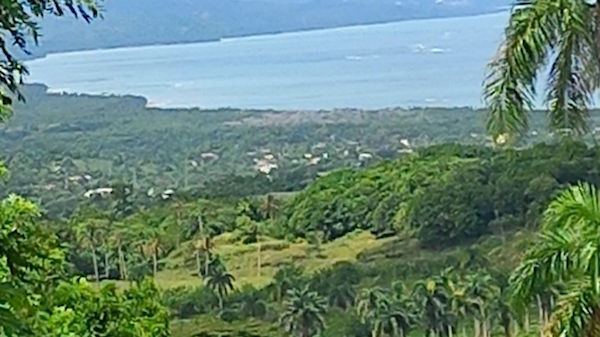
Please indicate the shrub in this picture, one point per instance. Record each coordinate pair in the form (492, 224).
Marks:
(184, 302)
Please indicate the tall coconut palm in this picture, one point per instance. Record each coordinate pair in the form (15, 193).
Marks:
(251, 232)
(221, 283)
(303, 313)
(566, 252)
(205, 245)
(567, 32)
(152, 227)
(270, 206)
(89, 234)
(120, 237)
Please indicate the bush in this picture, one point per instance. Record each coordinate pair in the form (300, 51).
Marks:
(184, 302)
(454, 210)
(249, 302)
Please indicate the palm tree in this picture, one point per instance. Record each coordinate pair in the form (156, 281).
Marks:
(251, 302)
(368, 302)
(567, 252)
(270, 206)
(221, 283)
(251, 233)
(303, 312)
(154, 246)
(503, 311)
(394, 318)
(89, 233)
(316, 238)
(286, 278)
(342, 295)
(153, 231)
(431, 302)
(481, 289)
(460, 303)
(119, 236)
(205, 244)
(567, 32)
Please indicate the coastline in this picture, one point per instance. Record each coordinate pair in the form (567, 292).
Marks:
(226, 38)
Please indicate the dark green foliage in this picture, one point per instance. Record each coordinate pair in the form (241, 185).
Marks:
(29, 258)
(505, 190)
(184, 302)
(337, 284)
(38, 298)
(452, 210)
(371, 199)
(444, 195)
(249, 302)
(303, 313)
(287, 277)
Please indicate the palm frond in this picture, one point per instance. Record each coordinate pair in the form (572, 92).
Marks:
(576, 207)
(569, 88)
(576, 309)
(559, 254)
(509, 87)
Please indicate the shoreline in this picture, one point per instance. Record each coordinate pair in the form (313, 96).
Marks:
(260, 35)
(157, 106)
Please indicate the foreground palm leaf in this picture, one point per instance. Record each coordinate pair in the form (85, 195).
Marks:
(567, 257)
(564, 32)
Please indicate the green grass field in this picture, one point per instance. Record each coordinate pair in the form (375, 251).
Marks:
(242, 260)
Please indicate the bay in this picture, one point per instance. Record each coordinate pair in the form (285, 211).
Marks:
(438, 62)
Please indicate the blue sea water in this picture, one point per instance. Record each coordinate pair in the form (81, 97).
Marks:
(438, 62)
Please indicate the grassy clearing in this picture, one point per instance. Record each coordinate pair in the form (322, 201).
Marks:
(241, 260)
(390, 258)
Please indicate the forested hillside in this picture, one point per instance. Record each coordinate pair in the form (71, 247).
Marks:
(453, 216)
(61, 146)
(134, 23)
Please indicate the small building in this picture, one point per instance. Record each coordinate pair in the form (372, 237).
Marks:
(101, 192)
